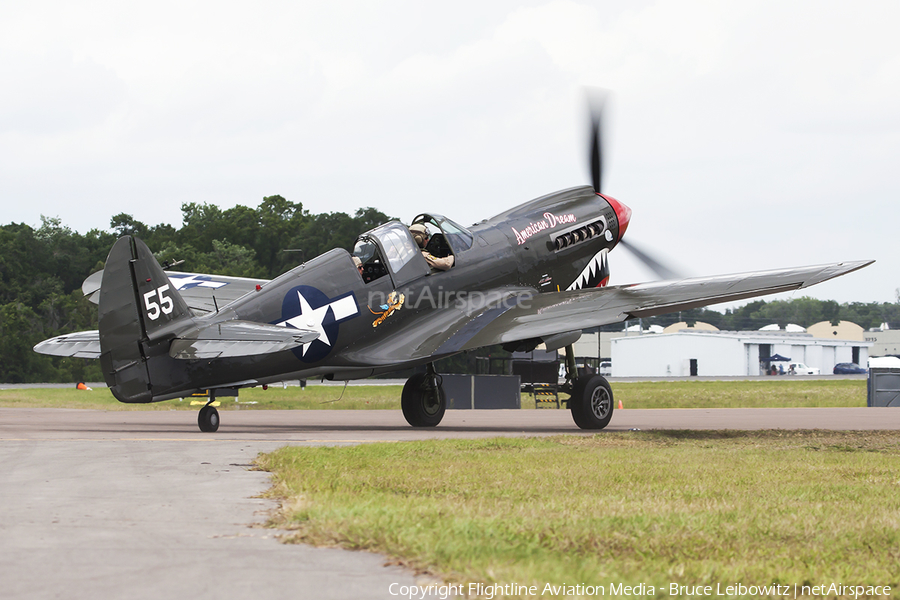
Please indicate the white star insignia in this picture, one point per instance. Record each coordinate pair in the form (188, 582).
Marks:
(310, 319)
(182, 282)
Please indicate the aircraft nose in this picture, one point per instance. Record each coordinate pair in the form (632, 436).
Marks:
(623, 214)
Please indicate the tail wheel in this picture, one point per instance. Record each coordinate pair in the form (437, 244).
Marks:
(423, 400)
(208, 419)
(591, 402)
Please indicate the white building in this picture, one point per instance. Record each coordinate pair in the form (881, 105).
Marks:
(726, 353)
(885, 342)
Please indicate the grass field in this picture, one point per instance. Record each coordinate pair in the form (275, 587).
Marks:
(627, 508)
(778, 392)
(313, 397)
(758, 393)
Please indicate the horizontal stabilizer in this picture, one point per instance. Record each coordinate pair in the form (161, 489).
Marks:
(238, 338)
(82, 344)
(90, 287)
(220, 340)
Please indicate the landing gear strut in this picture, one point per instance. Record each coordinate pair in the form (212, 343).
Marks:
(208, 418)
(422, 399)
(591, 398)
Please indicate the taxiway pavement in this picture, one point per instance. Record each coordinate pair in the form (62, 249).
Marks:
(141, 504)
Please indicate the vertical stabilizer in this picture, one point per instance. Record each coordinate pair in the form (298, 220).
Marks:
(140, 311)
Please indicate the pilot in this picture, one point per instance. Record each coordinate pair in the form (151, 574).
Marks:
(421, 235)
(358, 263)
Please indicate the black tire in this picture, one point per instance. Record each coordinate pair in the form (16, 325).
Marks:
(591, 402)
(423, 401)
(208, 419)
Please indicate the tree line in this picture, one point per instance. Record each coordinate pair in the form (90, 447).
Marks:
(41, 271)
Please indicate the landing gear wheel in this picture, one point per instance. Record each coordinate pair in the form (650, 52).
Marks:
(591, 402)
(208, 418)
(423, 400)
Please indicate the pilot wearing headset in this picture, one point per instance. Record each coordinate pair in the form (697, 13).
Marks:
(421, 235)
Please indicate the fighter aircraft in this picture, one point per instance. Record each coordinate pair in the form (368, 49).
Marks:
(535, 274)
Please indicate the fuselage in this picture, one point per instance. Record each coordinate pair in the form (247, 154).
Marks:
(367, 320)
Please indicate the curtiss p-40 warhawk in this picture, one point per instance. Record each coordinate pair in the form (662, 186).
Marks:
(534, 274)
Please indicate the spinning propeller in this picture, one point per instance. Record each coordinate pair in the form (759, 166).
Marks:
(596, 101)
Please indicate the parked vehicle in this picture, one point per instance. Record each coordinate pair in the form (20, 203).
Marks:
(848, 369)
(798, 368)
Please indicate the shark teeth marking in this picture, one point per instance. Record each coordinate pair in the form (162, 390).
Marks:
(591, 274)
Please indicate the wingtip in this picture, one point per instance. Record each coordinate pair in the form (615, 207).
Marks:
(854, 265)
(830, 271)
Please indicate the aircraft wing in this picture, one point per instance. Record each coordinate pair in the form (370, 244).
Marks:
(511, 315)
(581, 309)
(197, 289)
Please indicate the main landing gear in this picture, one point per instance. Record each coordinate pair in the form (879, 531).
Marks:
(422, 400)
(591, 398)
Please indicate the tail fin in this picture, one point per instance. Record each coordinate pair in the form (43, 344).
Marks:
(140, 311)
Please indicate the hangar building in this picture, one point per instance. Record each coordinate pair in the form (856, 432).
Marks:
(886, 342)
(726, 353)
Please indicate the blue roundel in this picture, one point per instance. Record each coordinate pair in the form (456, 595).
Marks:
(305, 307)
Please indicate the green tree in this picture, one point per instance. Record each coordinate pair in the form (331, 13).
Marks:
(20, 327)
(279, 221)
(369, 218)
(124, 224)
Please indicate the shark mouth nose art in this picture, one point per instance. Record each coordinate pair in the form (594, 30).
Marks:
(594, 274)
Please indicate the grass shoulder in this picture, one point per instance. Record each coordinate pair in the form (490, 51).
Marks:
(313, 397)
(632, 507)
(757, 393)
(780, 393)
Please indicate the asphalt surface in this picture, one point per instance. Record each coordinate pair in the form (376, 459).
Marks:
(142, 505)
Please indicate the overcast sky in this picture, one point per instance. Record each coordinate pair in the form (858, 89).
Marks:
(744, 135)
